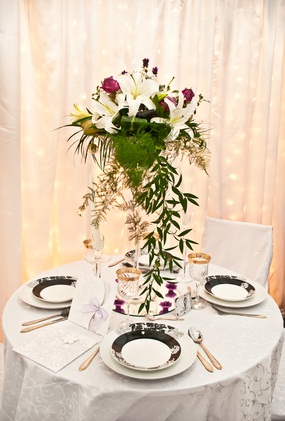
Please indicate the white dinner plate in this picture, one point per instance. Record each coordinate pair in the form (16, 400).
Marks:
(146, 350)
(55, 291)
(229, 288)
(259, 296)
(27, 296)
(186, 359)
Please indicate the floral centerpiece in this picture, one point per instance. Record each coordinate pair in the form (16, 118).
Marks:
(135, 130)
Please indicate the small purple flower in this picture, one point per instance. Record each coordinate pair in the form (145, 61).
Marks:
(155, 71)
(188, 95)
(145, 63)
(110, 85)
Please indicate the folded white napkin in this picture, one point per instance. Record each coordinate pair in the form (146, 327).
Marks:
(57, 345)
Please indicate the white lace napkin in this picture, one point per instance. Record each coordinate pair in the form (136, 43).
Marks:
(92, 303)
(57, 345)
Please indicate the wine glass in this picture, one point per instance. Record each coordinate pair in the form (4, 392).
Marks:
(198, 269)
(94, 253)
(128, 287)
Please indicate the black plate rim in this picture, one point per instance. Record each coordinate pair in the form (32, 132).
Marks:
(213, 280)
(149, 331)
(50, 281)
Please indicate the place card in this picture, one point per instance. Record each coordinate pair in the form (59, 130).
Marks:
(183, 304)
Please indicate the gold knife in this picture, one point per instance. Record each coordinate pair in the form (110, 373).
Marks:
(64, 313)
(205, 363)
(28, 329)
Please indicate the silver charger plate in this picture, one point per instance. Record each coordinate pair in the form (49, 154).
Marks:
(185, 361)
(229, 288)
(146, 349)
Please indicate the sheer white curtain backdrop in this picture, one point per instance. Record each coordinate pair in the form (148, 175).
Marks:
(54, 53)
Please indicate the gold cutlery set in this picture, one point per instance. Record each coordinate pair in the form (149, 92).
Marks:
(33, 324)
(197, 337)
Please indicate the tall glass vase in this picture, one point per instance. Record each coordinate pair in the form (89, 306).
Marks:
(137, 254)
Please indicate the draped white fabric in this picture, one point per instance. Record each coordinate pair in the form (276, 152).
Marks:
(55, 52)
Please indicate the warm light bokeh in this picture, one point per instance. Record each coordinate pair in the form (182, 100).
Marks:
(232, 52)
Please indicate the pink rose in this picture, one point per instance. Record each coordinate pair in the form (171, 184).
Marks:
(110, 85)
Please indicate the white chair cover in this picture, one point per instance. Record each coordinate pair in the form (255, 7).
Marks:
(243, 247)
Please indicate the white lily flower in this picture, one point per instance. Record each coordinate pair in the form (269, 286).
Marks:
(79, 114)
(179, 115)
(136, 91)
(105, 111)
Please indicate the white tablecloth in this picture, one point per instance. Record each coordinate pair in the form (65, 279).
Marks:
(248, 349)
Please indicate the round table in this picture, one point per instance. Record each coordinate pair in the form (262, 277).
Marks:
(248, 348)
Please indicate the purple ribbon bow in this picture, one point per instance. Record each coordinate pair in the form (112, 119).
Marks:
(94, 306)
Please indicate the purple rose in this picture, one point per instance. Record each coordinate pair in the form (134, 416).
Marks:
(188, 95)
(110, 85)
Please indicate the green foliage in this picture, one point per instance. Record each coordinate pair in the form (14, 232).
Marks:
(154, 200)
(140, 157)
(137, 146)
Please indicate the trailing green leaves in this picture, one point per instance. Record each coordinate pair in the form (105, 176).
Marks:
(162, 197)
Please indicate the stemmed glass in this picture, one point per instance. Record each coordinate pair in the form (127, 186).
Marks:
(186, 218)
(94, 253)
(128, 288)
(198, 269)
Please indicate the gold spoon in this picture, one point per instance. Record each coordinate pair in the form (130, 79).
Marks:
(86, 363)
(197, 337)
